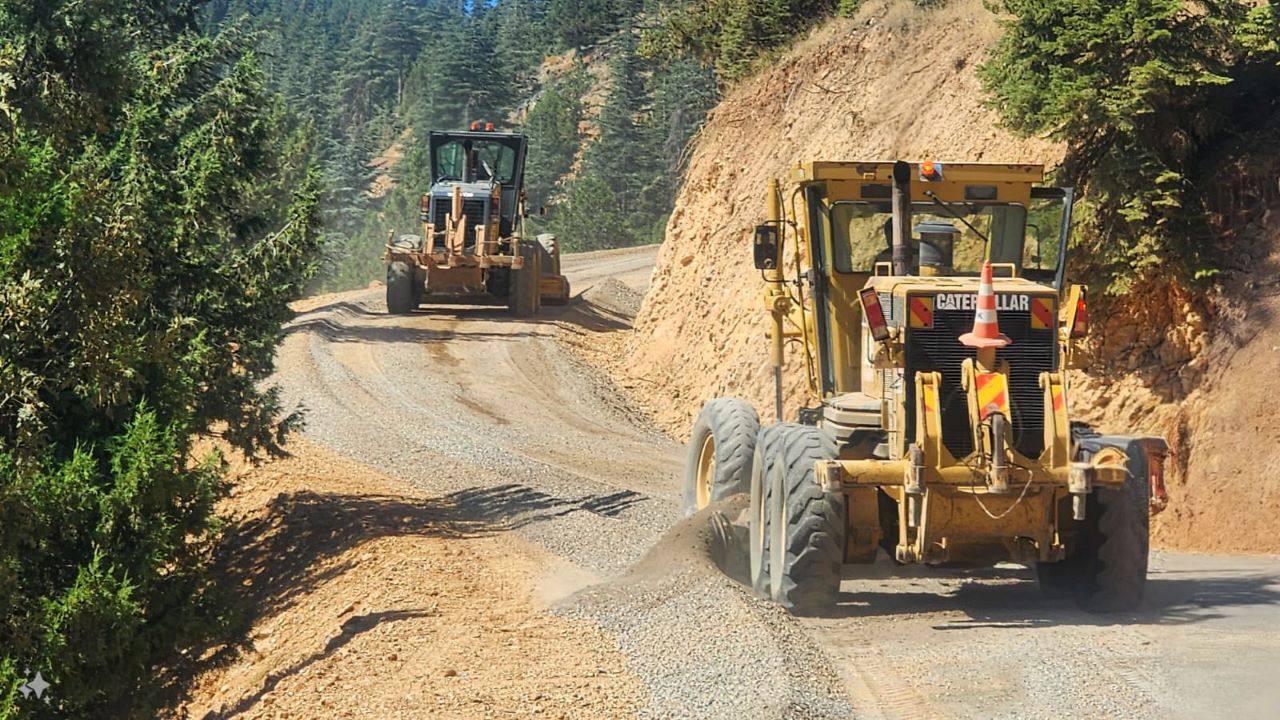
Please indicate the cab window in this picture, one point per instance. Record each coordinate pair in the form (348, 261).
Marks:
(486, 160)
(861, 234)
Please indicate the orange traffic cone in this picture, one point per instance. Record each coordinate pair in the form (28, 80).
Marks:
(986, 330)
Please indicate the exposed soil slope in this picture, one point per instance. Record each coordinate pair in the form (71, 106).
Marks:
(899, 82)
(1228, 497)
(895, 82)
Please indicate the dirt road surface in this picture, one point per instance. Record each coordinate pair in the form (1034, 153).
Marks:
(562, 501)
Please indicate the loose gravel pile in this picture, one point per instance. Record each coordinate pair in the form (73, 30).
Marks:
(704, 645)
(615, 297)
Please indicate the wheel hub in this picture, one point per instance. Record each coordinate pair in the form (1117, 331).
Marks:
(706, 472)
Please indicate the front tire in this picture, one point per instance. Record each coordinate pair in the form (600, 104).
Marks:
(1107, 571)
(721, 448)
(758, 520)
(525, 298)
(400, 291)
(806, 524)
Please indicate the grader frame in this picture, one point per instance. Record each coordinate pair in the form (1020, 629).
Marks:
(911, 441)
(471, 247)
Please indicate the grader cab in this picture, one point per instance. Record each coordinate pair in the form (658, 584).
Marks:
(929, 304)
(472, 247)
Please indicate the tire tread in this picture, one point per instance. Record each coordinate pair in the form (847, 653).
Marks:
(815, 525)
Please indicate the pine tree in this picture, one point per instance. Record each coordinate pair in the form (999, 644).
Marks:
(519, 43)
(456, 78)
(398, 41)
(683, 94)
(621, 156)
(158, 210)
(552, 127)
(579, 23)
(735, 46)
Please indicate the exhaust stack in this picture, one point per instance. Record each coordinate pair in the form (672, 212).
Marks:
(901, 218)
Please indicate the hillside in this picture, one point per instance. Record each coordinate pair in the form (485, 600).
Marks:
(897, 82)
(1227, 495)
(367, 80)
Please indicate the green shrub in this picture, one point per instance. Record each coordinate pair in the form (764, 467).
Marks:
(1143, 93)
(156, 215)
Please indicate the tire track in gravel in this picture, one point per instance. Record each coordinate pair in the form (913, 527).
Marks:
(494, 415)
(404, 417)
(518, 435)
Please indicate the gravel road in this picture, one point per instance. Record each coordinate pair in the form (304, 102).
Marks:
(496, 416)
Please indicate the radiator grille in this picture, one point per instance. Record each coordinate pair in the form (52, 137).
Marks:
(473, 209)
(1032, 352)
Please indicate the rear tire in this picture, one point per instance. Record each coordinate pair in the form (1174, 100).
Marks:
(400, 292)
(806, 525)
(525, 298)
(721, 448)
(497, 282)
(1120, 551)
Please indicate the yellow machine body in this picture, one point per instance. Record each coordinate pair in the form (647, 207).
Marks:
(916, 412)
(472, 245)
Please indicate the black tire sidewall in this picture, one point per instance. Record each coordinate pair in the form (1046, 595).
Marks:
(400, 294)
(758, 519)
(815, 524)
(733, 426)
(1106, 569)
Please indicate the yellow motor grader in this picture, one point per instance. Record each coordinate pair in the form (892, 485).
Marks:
(936, 330)
(472, 246)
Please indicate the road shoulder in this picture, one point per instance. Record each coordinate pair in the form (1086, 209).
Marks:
(372, 599)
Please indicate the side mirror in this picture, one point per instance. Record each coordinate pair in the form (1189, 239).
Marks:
(766, 247)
